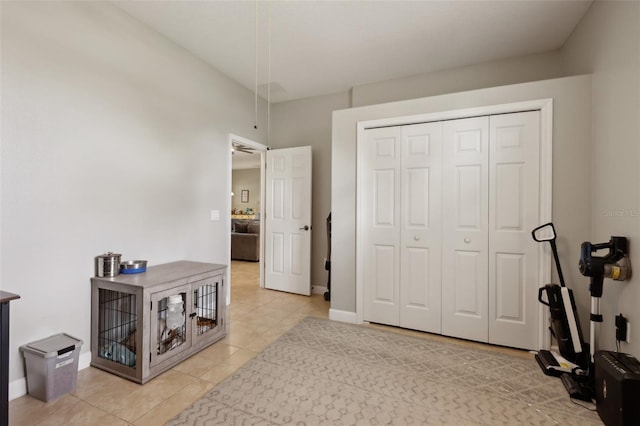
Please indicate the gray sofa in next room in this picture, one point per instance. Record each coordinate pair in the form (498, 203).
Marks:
(245, 240)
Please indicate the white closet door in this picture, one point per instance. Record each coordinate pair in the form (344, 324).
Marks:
(381, 225)
(514, 203)
(465, 150)
(420, 295)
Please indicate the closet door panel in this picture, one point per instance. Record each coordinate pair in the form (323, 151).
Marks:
(420, 273)
(465, 151)
(469, 207)
(514, 199)
(381, 225)
(466, 283)
(510, 288)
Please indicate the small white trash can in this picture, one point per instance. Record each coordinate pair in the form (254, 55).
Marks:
(52, 366)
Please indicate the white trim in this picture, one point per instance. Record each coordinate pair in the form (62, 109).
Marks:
(545, 213)
(456, 114)
(359, 221)
(248, 142)
(84, 361)
(545, 106)
(263, 195)
(342, 316)
(226, 216)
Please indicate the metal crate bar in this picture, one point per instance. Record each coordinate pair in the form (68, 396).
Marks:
(117, 317)
(205, 302)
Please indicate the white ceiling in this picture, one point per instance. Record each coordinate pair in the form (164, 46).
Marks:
(321, 47)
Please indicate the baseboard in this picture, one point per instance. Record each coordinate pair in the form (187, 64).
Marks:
(84, 361)
(18, 388)
(343, 316)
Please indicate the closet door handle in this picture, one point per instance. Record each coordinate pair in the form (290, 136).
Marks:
(305, 228)
(467, 240)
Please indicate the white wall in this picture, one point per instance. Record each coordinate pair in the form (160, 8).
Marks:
(571, 150)
(113, 139)
(541, 66)
(246, 179)
(308, 122)
(607, 44)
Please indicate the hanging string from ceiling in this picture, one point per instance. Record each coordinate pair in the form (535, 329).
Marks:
(269, 74)
(255, 91)
(257, 27)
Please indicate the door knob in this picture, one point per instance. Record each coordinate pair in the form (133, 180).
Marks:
(416, 238)
(306, 228)
(467, 240)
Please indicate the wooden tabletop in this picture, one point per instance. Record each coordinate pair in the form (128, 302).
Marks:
(7, 297)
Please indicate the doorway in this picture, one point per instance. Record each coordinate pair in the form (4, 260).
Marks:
(277, 206)
(246, 181)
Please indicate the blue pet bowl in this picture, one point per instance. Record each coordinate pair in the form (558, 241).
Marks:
(133, 266)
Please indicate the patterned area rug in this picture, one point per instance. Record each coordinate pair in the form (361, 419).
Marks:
(323, 372)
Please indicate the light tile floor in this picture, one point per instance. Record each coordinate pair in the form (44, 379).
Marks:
(256, 317)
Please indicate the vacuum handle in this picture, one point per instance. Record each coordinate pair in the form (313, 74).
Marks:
(547, 232)
(544, 236)
(540, 299)
(557, 260)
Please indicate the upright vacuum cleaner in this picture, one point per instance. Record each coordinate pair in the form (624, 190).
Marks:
(579, 380)
(564, 323)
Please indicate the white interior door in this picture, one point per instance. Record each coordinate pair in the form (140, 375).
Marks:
(465, 154)
(420, 239)
(288, 220)
(381, 225)
(514, 195)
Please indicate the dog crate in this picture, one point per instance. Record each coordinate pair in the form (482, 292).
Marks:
(143, 324)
